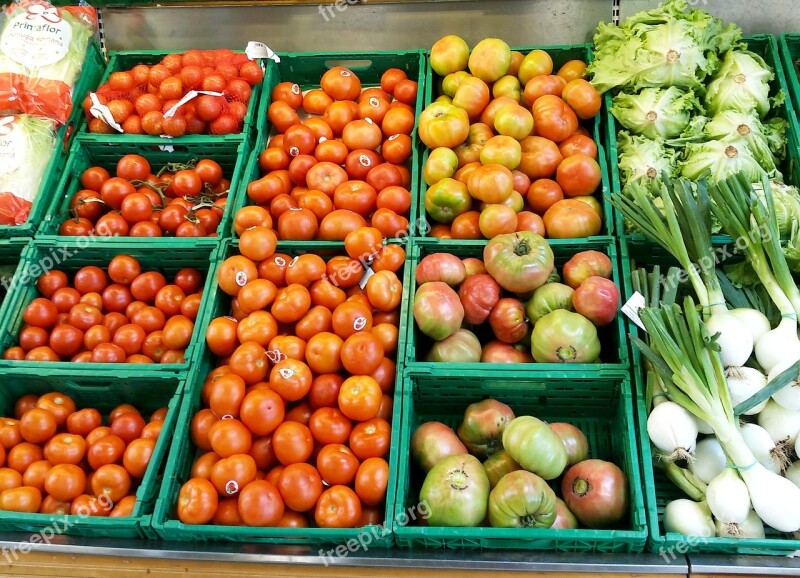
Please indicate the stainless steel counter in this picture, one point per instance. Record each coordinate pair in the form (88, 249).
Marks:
(519, 561)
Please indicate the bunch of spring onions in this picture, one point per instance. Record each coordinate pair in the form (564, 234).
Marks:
(687, 358)
(702, 366)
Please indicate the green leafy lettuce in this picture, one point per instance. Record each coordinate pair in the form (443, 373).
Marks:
(787, 205)
(766, 141)
(643, 161)
(718, 160)
(656, 113)
(741, 84)
(666, 46)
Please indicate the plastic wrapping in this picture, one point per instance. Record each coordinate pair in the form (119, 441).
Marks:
(26, 145)
(42, 50)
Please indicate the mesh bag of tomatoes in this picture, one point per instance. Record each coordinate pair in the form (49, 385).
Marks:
(142, 100)
(58, 460)
(508, 151)
(345, 165)
(295, 424)
(122, 315)
(180, 199)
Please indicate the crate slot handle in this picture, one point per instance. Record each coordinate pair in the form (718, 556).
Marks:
(360, 64)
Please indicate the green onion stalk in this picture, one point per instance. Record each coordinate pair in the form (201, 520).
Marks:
(684, 231)
(745, 217)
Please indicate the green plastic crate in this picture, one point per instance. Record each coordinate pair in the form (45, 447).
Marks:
(88, 80)
(10, 253)
(183, 455)
(70, 256)
(766, 46)
(84, 154)
(560, 56)
(103, 393)
(659, 490)
(127, 59)
(790, 57)
(614, 355)
(600, 407)
(306, 70)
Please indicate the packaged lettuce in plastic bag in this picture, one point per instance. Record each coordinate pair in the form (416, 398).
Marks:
(26, 145)
(42, 50)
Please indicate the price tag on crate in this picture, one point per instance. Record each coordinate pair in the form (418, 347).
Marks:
(631, 309)
(255, 50)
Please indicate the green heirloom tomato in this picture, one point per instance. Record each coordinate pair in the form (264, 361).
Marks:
(519, 262)
(532, 444)
(498, 465)
(456, 491)
(549, 298)
(446, 200)
(564, 337)
(483, 427)
(522, 500)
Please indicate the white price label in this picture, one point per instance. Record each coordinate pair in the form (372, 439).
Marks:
(101, 111)
(368, 272)
(13, 146)
(631, 308)
(36, 38)
(256, 50)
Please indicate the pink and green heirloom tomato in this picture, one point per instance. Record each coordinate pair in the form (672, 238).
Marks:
(548, 298)
(442, 267)
(584, 265)
(437, 310)
(499, 352)
(575, 442)
(461, 347)
(483, 427)
(498, 465)
(519, 262)
(564, 518)
(597, 299)
(432, 442)
(596, 491)
(564, 337)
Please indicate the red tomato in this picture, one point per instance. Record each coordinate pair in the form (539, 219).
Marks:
(553, 118)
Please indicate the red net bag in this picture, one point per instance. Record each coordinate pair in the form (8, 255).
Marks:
(196, 92)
